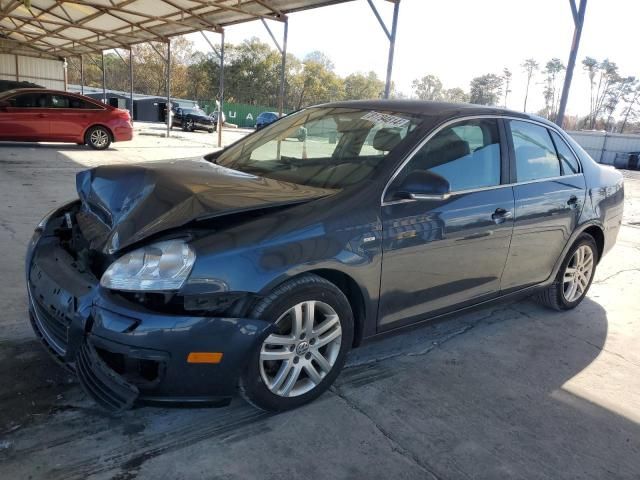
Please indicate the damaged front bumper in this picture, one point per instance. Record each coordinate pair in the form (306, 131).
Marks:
(123, 352)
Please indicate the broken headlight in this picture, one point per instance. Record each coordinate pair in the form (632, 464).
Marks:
(160, 266)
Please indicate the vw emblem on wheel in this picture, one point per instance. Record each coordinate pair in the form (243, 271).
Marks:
(302, 348)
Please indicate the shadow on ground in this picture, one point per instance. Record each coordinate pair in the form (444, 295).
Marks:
(478, 395)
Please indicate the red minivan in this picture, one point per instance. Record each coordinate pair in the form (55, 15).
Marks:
(41, 115)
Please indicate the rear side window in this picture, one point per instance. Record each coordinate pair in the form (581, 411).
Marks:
(467, 154)
(59, 101)
(66, 101)
(29, 100)
(535, 154)
(568, 160)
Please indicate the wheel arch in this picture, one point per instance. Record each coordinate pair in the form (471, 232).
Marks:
(593, 228)
(598, 235)
(348, 286)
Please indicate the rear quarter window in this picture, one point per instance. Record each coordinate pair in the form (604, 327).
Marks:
(568, 160)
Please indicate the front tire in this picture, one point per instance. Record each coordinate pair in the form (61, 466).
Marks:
(98, 138)
(574, 276)
(301, 359)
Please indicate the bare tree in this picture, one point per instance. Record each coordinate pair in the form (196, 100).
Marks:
(590, 65)
(530, 66)
(631, 99)
(506, 76)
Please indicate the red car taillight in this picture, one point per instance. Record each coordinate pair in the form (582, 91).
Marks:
(120, 113)
(124, 114)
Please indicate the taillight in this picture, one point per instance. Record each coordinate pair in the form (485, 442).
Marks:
(121, 113)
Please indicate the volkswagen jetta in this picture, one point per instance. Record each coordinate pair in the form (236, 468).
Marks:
(258, 267)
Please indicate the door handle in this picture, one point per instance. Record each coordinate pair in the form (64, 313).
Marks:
(501, 215)
(573, 201)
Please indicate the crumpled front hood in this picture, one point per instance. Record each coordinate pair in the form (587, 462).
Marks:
(123, 204)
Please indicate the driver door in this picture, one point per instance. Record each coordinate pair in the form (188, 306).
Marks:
(443, 254)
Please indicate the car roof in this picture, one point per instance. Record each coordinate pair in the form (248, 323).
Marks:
(430, 108)
(49, 90)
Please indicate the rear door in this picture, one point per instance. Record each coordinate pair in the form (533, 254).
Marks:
(549, 196)
(25, 118)
(439, 255)
(70, 116)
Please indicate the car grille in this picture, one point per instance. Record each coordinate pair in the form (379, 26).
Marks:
(54, 327)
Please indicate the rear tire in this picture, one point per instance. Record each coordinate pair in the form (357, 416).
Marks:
(301, 359)
(574, 276)
(98, 138)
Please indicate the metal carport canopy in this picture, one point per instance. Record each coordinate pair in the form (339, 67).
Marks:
(67, 28)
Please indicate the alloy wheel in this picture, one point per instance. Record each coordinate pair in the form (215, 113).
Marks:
(578, 273)
(99, 138)
(297, 358)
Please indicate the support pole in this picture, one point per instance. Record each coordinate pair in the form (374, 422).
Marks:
(221, 102)
(283, 53)
(391, 36)
(392, 47)
(283, 73)
(168, 115)
(131, 83)
(66, 78)
(578, 21)
(81, 75)
(104, 81)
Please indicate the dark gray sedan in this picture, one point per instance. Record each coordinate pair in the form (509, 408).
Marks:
(259, 267)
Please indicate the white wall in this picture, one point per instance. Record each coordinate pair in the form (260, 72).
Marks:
(603, 147)
(42, 71)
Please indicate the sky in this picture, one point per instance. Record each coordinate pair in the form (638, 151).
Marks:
(457, 40)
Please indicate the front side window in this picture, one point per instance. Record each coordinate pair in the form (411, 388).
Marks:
(323, 147)
(466, 154)
(535, 154)
(568, 160)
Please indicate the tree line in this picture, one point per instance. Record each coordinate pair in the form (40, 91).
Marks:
(614, 99)
(253, 69)
(251, 75)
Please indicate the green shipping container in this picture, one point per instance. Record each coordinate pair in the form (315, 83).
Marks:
(241, 114)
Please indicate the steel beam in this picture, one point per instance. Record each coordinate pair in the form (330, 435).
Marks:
(392, 47)
(168, 114)
(283, 73)
(131, 83)
(81, 75)
(104, 81)
(578, 21)
(391, 36)
(283, 52)
(221, 102)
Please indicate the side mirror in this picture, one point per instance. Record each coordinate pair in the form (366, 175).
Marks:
(423, 185)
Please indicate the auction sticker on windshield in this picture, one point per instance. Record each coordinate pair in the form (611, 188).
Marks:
(385, 119)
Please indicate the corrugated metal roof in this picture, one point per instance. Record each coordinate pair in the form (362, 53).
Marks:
(73, 27)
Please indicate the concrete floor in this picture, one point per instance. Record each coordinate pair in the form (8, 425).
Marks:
(512, 391)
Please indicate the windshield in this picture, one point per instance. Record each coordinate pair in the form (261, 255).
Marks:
(324, 147)
(193, 110)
